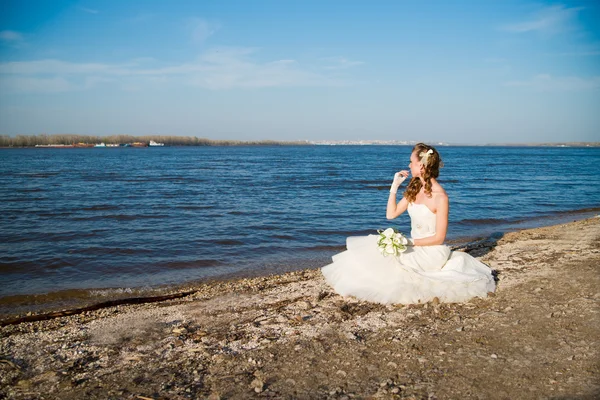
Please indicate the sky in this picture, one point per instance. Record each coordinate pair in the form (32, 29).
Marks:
(432, 70)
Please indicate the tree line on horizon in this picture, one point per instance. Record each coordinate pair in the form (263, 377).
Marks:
(64, 139)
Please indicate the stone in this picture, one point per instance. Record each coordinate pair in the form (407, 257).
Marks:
(257, 385)
(304, 305)
(24, 383)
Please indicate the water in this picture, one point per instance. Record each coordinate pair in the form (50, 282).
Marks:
(79, 224)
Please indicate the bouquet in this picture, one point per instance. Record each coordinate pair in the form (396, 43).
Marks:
(391, 242)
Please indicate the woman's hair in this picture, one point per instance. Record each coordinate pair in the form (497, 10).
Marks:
(432, 162)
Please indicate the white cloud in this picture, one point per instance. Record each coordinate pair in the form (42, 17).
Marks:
(577, 54)
(495, 60)
(141, 18)
(549, 20)
(217, 69)
(548, 83)
(202, 29)
(11, 38)
(89, 10)
(35, 84)
(340, 63)
(580, 50)
(53, 67)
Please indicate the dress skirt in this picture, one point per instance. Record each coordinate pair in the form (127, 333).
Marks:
(418, 275)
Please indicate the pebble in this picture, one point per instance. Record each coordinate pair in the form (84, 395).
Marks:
(24, 383)
(304, 305)
(336, 390)
(257, 385)
(494, 356)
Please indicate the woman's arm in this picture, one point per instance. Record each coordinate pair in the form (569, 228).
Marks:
(393, 209)
(441, 224)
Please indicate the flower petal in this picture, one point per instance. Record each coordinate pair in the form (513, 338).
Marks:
(388, 232)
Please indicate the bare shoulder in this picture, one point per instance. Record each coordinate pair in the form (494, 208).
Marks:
(439, 194)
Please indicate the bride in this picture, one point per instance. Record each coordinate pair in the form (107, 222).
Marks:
(428, 268)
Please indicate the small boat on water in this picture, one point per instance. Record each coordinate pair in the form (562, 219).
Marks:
(100, 145)
(155, 144)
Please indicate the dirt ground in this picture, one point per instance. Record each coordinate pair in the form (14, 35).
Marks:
(290, 337)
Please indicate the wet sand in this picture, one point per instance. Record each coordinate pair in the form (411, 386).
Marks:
(289, 336)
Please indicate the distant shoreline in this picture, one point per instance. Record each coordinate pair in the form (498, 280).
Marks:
(115, 141)
(311, 144)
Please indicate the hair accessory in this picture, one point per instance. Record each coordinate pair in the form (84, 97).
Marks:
(425, 156)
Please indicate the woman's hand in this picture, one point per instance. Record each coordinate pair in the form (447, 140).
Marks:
(399, 177)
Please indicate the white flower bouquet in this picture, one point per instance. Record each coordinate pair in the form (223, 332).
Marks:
(391, 242)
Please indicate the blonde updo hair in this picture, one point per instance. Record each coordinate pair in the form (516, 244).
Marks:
(432, 163)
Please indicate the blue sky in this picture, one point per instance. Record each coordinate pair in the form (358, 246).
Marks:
(451, 71)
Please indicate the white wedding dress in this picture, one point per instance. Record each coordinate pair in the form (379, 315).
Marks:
(415, 276)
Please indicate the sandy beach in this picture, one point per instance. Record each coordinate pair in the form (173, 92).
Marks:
(290, 337)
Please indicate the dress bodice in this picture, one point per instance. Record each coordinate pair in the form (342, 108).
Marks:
(422, 221)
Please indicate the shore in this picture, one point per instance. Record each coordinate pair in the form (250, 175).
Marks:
(289, 336)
